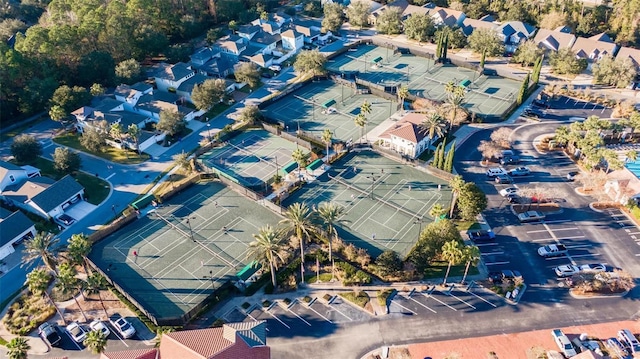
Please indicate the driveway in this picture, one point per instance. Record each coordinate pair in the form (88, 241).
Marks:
(80, 210)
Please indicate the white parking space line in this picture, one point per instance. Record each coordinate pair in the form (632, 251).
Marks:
(438, 300)
(538, 231)
(633, 233)
(638, 255)
(276, 318)
(491, 253)
(315, 311)
(495, 263)
(564, 229)
(586, 255)
(402, 306)
(543, 240)
(420, 304)
(557, 221)
(297, 316)
(571, 237)
(339, 311)
(482, 299)
(115, 332)
(486, 244)
(579, 246)
(74, 342)
(461, 300)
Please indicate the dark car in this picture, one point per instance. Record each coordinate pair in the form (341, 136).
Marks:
(66, 220)
(514, 198)
(503, 179)
(267, 75)
(481, 235)
(497, 277)
(509, 160)
(533, 112)
(49, 334)
(571, 176)
(540, 103)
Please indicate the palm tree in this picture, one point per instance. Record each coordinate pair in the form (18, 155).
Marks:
(96, 341)
(301, 158)
(365, 108)
(267, 249)
(437, 211)
(95, 283)
(452, 253)
(116, 132)
(632, 155)
(329, 214)
(68, 283)
(450, 87)
(434, 125)
(42, 246)
(403, 93)
(471, 254)
(38, 282)
(327, 139)
(299, 221)
(78, 249)
(456, 184)
(361, 121)
(453, 104)
(18, 348)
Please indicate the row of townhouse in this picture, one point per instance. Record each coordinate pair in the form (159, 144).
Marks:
(514, 33)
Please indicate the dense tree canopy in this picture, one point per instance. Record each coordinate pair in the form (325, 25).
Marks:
(419, 27)
(614, 72)
(565, 62)
(390, 21)
(486, 41)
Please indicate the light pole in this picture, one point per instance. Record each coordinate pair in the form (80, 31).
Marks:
(373, 179)
(313, 112)
(210, 277)
(209, 131)
(113, 208)
(419, 223)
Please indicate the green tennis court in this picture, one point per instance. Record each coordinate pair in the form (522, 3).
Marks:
(387, 203)
(486, 95)
(324, 105)
(184, 250)
(252, 157)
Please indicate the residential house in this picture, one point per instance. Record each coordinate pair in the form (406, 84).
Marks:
(292, 40)
(186, 87)
(551, 40)
(468, 25)
(594, 48)
(406, 136)
(514, 33)
(131, 94)
(232, 44)
(168, 77)
(44, 196)
(15, 227)
(447, 17)
(311, 29)
(246, 340)
(633, 55)
(10, 175)
(274, 22)
(213, 62)
(404, 6)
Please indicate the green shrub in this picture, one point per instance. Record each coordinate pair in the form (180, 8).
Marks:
(360, 298)
(27, 313)
(286, 301)
(307, 299)
(327, 297)
(383, 296)
(266, 304)
(245, 305)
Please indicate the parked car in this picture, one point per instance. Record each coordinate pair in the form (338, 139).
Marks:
(520, 171)
(534, 112)
(481, 235)
(495, 171)
(530, 216)
(571, 176)
(503, 179)
(77, 333)
(540, 103)
(509, 190)
(593, 268)
(552, 250)
(511, 160)
(630, 341)
(49, 334)
(498, 277)
(100, 326)
(66, 219)
(566, 270)
(513, 198)
(563, 343)
(123, 326)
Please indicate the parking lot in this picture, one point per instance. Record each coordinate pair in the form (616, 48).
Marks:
(434, 300)
(298, 318)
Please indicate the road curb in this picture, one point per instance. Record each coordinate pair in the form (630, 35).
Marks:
(579, 296)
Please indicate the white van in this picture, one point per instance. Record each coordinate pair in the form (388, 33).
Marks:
(626, 337)
(563, 343)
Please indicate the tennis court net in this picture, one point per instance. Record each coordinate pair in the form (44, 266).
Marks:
(315, 103)
(373, 196)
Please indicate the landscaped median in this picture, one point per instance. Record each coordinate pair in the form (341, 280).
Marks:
(109, 153)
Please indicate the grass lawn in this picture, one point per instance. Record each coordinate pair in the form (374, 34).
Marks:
(215, 111)
(5, 135)
(324, 278)
(439, 269)
(95, 189)
(361, 299)
(245, 89)
(467, 225)
(109, 153)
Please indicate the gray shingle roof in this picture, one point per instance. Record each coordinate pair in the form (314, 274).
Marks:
(13, 226)
(57, 193)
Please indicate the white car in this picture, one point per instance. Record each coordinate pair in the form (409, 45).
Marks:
(563, 343)
(520, 171)
(124, 327)
(509, 190)
(100, 326)
(566, 270)
(496, 171)
(593, 268)
(76, 332)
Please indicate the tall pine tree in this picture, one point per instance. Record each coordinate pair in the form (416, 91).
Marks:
(524, 89)
(537, 67)
(448, 164)
(441, 154)
(445, 46)
(436, 156)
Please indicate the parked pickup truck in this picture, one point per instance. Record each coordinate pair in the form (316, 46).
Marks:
(552, 250)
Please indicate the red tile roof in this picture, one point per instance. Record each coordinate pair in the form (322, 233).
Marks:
(132, 354)
(407, 128)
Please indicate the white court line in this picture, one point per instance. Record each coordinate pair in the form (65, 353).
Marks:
(402, 306)
(111, 175)
(276, 318)
(438, 300)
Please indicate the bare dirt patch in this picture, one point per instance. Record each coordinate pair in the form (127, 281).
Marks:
(92, 307)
